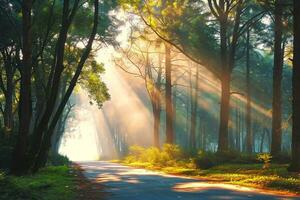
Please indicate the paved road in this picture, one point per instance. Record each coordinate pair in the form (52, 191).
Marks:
(126, 183)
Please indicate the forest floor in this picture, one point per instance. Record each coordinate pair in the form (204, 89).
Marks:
(276, 178)
(131, 183)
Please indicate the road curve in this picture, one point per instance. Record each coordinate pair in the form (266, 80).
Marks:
(127, 183)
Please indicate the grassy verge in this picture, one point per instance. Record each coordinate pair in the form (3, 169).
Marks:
(274, 177)
(51, 183)
(252, 175)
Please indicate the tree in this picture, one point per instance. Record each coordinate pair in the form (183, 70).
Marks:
(53, 62)
(168, 96)
(295, 164)
(19, 160)
(144, 55)
(194, 108)
(277, 80)
(221, 11)
(249, 134)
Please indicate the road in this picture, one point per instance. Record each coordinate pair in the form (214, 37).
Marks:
(127, 183)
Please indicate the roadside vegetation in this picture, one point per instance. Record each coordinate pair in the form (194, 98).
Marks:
(255, 170)
(56, 181)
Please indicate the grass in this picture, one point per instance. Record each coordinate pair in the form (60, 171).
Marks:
(250, 173)
(51, 183)
(276, 177)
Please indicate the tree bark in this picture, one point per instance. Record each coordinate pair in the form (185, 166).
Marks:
(19, 156)
(249, 135)
(277, 79)
(169, 104)
(224, 114)
(295, 164)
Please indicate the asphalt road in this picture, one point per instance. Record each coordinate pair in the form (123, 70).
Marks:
(126, 183)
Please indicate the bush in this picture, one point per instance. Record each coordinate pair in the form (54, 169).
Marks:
(245, 158)
(227, 157)
(56, 159)
(205, 160)
(168, 156)
(266, 159)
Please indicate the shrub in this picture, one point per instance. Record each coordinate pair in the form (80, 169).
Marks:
(245, 158)
(56, 159)
(168, 156)
(205, 160)
(136, 151)
(266, 159)
(173, 152)
(227, 157)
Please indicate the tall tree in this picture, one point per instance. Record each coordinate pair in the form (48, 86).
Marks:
(295, 164)
(249, 134)
(168, 96)
(194, 109)
(19, 160)
(222, 10)
(277, 80)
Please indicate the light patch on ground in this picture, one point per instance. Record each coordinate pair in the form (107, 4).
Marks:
(198, 186)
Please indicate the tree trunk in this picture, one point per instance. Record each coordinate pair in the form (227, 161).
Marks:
(238, 127)
(203, 136)
(19, 156)
(224, 114)
(194, 107)
(169, 104)
(156, 115)
(225, 89)
(262, 141)
(295, 164)
(249, 135)
(41, 128)
(8, 109)
(42, 155)
(156, 106)
(277, 79)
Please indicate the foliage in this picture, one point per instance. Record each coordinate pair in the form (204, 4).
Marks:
(55, 159)
(169, 155)
(266, 159)
(206, 160)
(51, 183)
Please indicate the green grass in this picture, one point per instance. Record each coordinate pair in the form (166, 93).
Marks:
(276, 177)
(51, 183)
(231, 168)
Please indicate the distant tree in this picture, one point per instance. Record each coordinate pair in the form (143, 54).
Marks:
(143, 59)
